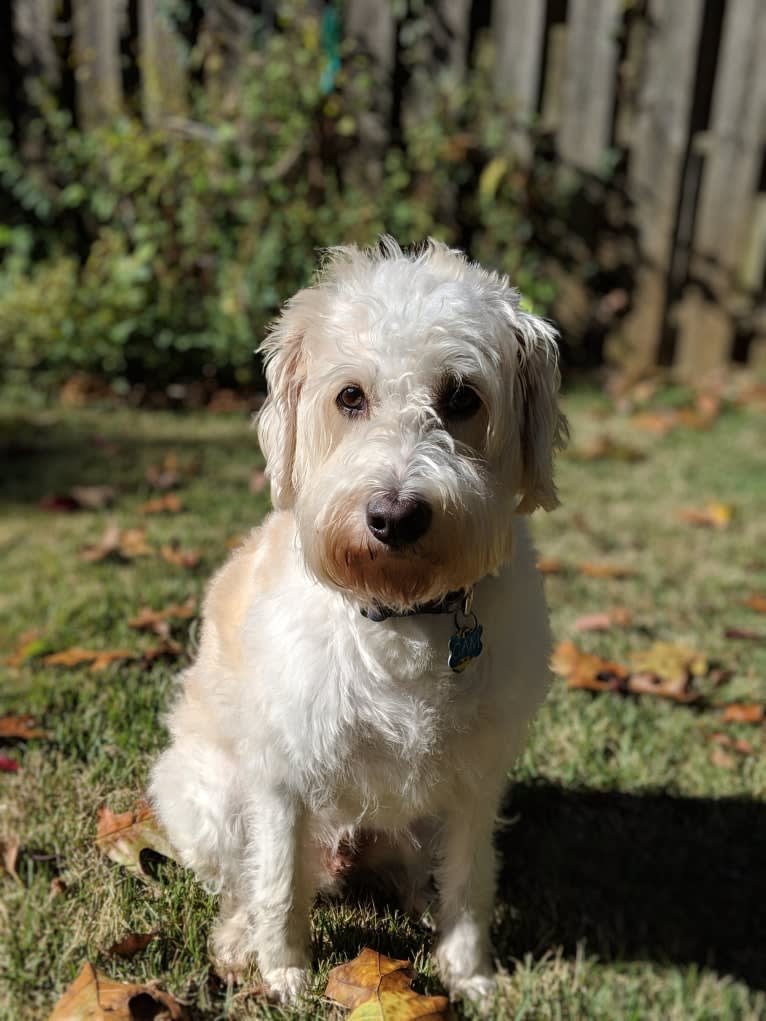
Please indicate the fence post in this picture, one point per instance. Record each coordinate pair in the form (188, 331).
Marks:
(517, 29)
(660, 135)
(163, 77)
(588, 86)
(97, 25)
(733, 147)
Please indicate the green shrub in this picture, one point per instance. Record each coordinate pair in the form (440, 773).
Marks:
(155, 253)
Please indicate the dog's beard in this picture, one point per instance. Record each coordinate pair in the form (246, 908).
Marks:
(344, 554)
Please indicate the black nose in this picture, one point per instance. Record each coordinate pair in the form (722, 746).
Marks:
(398, 521)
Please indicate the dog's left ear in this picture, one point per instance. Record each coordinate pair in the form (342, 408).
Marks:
(543, 428)
(285, 362)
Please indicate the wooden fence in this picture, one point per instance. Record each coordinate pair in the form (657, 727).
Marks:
(673, 92)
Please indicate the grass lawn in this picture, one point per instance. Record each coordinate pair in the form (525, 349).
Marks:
(633, 858)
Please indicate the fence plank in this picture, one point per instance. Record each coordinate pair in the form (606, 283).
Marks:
(588, 88)
(163, 76)
(33, 23)
(96, 25)
(732, 148)
(661, 129)
(517, 30)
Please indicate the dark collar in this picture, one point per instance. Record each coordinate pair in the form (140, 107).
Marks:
(451, 603)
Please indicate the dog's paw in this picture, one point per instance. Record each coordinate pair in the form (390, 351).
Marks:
(287, 984)
(479, 990)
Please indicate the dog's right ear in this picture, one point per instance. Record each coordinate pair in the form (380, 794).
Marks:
(285, 365)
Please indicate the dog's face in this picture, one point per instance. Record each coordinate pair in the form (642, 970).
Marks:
(412, 411)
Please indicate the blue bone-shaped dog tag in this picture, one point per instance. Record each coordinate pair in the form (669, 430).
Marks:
(464, 646)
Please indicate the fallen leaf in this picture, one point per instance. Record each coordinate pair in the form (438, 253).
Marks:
(9, 853)
(618, 616)
(8, 765)
(550, 565)
(30, 644)
(93, 996)
(584, 670)
(173, 554)
(117, 545)
(738, 744)
(124, 836)
(756, 602)
(377, 988)
(80, 498)
(131, 944)
(744, 712)
(604, 448)
(713, 515)
(57, 887)
(745, 634)
(170, 503)
(722, 759)
(150, 620)
(166, 649)
(656, 422)
(663, 670)
(601, 570)
(19, 727)
(99, 659)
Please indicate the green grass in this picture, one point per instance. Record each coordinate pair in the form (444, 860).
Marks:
(632, 881)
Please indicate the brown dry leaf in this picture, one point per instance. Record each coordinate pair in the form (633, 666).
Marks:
(21, 728)
(550, 565)
(166, 649)
(131, 944)
(9, 853)
(99, 659)
(172, 553)
(124, 836)
(378, 988)
(656, 422)
(601, 570)
(117, 545)
(30, 644)
(93, 996)
(57, 887)
(756, 602)
(617, 617)
(745, 634)
(713, 515)
(80, 498)
(583, 670)
(744, 712)
(722, 759)
(170, 503)
(157, 620)
(738, 744)
(604, 448)
(674, 663)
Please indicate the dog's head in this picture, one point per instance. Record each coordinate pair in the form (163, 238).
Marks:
(412, 412)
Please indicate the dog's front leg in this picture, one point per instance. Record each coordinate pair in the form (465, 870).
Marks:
(466, 882)
(270, 919)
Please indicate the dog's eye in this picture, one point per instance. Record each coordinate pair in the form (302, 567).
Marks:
(460, 401)
(351, 400)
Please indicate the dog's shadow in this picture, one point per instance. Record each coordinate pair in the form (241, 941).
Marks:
(646, 876)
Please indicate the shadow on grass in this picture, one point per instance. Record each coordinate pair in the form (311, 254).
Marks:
(44, 455)
(635, 877)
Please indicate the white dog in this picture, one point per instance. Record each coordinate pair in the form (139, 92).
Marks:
(371, 656)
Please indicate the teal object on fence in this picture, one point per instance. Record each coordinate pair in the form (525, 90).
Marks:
(330, 36)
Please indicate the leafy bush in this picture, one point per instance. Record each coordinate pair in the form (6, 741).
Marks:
(156, 253)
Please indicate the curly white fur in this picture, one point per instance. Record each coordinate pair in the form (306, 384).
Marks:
(302, 723)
